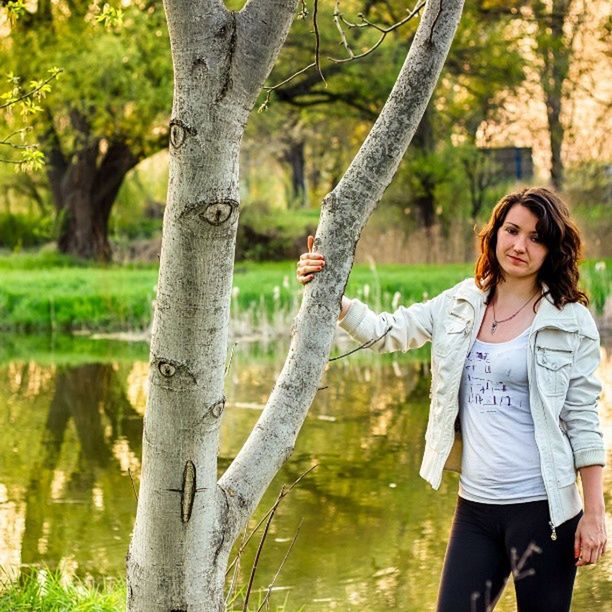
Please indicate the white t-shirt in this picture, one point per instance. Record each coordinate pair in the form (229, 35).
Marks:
(500, 461)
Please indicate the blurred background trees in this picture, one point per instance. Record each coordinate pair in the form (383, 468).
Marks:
(109, 114)
(521, 90)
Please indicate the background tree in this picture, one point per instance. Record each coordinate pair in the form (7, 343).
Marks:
(483, 70)
(109, 113)
(187, 521)
(557, 22)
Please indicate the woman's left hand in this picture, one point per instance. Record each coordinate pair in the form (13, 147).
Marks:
(590, 538)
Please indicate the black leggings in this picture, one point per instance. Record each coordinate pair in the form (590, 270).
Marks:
(490, 541)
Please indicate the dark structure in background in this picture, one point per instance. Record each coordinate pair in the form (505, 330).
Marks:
(511, 163)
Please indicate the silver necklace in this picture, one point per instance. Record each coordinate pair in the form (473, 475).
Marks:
(496, 322)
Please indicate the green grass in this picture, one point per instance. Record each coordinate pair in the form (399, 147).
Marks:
(44, 590)
(51, 292)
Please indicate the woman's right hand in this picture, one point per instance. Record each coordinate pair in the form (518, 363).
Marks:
(309, 264)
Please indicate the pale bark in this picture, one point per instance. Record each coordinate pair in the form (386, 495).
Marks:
(220, 62)
(186, 523)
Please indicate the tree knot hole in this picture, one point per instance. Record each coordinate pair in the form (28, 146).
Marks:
(217, 408)
(167, 370)
(200, 62)
(217, 213)
(179, 131)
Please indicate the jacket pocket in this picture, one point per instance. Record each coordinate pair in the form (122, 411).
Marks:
(553, 370)
(449, 338)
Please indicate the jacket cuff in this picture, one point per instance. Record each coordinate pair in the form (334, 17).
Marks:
(354, 316)
(589, 456)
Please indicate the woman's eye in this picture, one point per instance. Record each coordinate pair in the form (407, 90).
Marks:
(511, 230)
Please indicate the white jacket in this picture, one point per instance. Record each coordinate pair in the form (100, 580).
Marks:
(562, 357)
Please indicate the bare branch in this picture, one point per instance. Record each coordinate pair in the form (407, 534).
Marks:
(18, 146)
(280, 567)
(236, 565)
(367, 344)
(365, 23)
(283, 493)
(317, 41)
(229, 361)
(264, 517)
(337, 19)
(133, 485)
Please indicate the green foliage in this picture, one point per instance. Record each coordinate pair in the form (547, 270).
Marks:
(119, 84)
(23, 230)
(138, 210)
(42, 589)
(45, 590)
(110, 17)
(589, 183)
(266, 234)
(74, 298)
(597, 281)
(25, 102)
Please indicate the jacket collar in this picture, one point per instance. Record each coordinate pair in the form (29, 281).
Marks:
(548, 315)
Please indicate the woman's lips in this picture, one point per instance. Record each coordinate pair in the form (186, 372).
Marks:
(516, 259)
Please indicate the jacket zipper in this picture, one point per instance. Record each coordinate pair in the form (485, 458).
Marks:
(553, 531)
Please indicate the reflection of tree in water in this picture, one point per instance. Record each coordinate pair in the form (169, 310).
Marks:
(358, 527)
(63, 506)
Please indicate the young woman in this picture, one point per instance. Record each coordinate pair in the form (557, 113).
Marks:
(514, 397)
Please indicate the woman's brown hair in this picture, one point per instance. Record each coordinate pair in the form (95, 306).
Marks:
(556, 231)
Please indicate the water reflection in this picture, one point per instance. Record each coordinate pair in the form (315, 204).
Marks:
(373, 533)
(64, 479)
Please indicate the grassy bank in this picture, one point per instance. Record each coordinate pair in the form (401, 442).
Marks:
(50, 292)
(44, 590)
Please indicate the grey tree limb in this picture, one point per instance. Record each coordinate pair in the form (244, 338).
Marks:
(344, 213)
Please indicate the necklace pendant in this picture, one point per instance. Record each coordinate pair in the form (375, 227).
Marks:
(493, 327)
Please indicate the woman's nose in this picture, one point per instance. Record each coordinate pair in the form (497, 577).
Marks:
(520, 243)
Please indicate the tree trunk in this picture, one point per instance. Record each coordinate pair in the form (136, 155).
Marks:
(294, 157)
(555, 50)
(177, 559)
(424, 146)
(84, 191)
(186, 521)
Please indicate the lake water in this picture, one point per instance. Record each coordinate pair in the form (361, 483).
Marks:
(372, 534)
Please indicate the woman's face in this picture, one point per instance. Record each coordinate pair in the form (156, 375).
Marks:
(519, 251)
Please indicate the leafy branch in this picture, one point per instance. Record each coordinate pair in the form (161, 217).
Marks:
(27, 101)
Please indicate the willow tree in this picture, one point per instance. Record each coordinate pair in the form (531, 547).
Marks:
(187, 519)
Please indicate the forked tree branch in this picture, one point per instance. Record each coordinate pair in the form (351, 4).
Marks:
(262, 27)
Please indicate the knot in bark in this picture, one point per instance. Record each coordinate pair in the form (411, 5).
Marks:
(217, 213)
(200, 62)
(217, 408)
(179, 131)
(188, 490)
(167, 370)
(172, 374)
